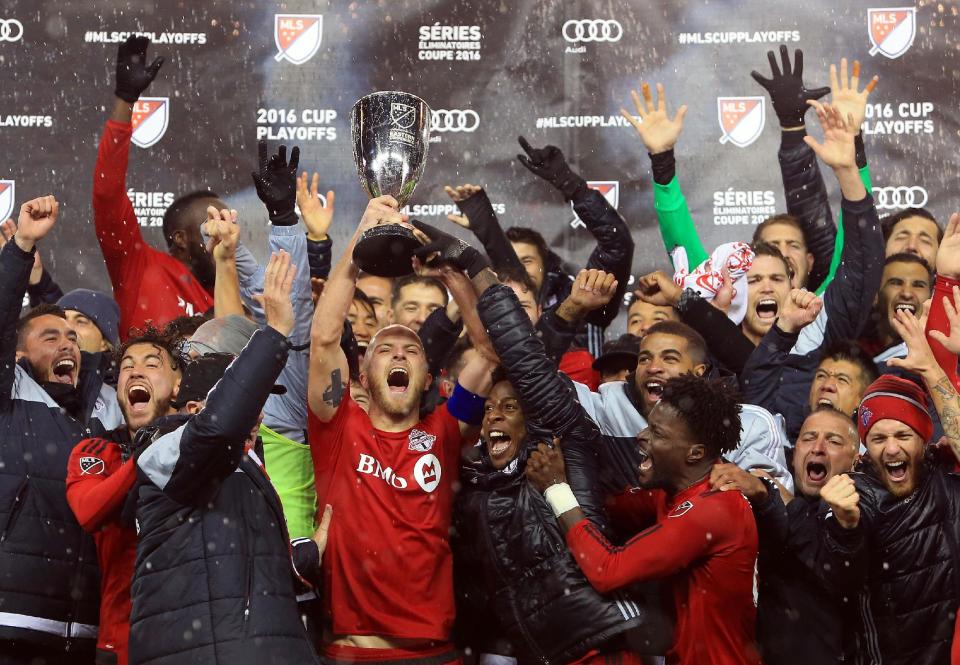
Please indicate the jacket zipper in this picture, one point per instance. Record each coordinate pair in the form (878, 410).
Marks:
(247, 594)
(530, 642)
(15, 509)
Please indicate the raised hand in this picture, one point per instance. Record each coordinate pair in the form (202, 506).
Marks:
(837, 150)
(545, 466)
(317, 212)
(658, 131)
(134, 75)
(948, 255)
(656, 288)
(919, 358)
(223, 233)
(276, 183)
(799, 309)
(841, 495)
(275, 300)
(549, 163)
(848, 100)
(952, 342)
(7, 231)
(36, 218)
(591, 290)
(458, 194)
(380, 210)
(787, 91)
(445, 249)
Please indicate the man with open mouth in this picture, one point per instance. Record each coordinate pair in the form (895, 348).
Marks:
(703, 543)
(668, 350)
(800, 619)
(51, 397)
(102, 471)
(892, 532)
(391, 583)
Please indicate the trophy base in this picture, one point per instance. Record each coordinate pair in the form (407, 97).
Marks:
(386, 251)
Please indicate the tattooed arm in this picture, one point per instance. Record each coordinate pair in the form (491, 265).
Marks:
(329, 371)
(920, 359)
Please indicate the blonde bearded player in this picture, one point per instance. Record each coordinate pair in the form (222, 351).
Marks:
(388, 581)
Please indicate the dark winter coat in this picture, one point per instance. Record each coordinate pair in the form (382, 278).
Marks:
(49, 580)
(904, 558)
(515, 559)
(213, 581)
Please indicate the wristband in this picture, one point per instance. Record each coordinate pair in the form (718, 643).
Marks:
(561, 498)
(465, 406)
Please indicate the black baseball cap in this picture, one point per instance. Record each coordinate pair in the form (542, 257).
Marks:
(621, 353)
(201, 374)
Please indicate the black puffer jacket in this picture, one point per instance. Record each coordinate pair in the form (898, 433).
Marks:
(213, 581)
(49, 580)
(905, 559)
(530, 582)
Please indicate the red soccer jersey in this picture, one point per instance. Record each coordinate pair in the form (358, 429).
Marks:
(97, 485)
(388, 569)
(148, 285)
(705, 544)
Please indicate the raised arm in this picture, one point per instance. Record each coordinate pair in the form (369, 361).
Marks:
(614, 251)
(659, 133)
(317, 214)
(116, 224)
(478, 216)
(943, 323)
(36, 218)
(185, 463)
(328, 364)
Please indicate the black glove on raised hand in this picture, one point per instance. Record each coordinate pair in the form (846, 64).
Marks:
(133, 74)
(450, 250)
(786, 89)
(550, 164)
(276, 184)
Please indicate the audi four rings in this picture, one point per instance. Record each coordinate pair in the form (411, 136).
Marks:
(454, 120)
(887, 198)
(11, 30)
(592, 30)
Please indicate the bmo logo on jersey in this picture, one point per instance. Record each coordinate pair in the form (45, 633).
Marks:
(426, 471)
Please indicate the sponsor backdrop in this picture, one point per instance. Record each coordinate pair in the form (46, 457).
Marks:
(555, 72)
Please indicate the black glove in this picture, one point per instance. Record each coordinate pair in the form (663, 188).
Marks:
(452, 251)
(786, 89)
(276, 184)
(549, 164)
(133, 75)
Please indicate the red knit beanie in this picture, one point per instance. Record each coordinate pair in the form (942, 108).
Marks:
(895, 398)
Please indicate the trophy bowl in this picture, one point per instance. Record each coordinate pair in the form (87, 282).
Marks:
(391, 133)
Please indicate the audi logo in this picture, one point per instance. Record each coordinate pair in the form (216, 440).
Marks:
(889, 198)
(454, 120)
(11, 30)
(592, 30)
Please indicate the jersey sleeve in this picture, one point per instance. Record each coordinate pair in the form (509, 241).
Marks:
(688, 533)
(118, 229)
(632, 510)
(444, 425)
(98, 481)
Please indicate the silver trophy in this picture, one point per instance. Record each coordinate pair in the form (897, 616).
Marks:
(391, 133)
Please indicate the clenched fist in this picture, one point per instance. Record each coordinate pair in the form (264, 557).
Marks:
(841, 495)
